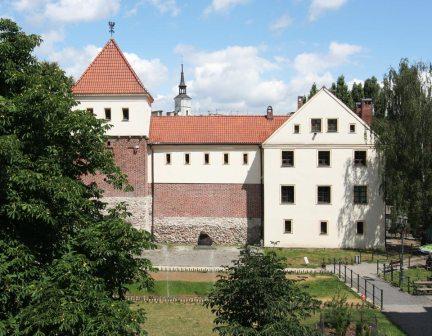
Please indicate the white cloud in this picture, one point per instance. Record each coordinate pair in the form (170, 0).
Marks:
(354, 80)
(49, 39)
(223, 6)
(163, 6)
(281, 23)
(318, 7)
(151, 72)
(80, 10)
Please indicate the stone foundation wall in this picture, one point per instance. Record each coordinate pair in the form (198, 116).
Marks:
(222, 230)
(139, 207)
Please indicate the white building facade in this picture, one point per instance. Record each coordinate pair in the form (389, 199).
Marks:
(321, 180)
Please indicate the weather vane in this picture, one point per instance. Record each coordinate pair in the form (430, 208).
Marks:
(111, 25)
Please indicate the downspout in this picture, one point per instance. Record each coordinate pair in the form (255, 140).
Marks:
(152, 191)
(262, 192)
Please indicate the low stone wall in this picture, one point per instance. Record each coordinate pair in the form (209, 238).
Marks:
(222, 230)
(139, 207)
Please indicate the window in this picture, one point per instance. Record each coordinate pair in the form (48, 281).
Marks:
(226, 158)
(287, 159)
(360, 227)
(360, 158)
(107, 114)
(352, 128)
(332, 125)
(168, 158)
(315, 125)
(187, 158)
(297, 129)
(323, 227)
(245, 158)
(90, 110)
(206, 158)
(125, 114)
(323, 158)
(287, 194)
(287, 226)
(360, 195)
(324, 194)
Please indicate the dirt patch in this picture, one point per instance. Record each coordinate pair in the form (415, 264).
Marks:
(185, 276)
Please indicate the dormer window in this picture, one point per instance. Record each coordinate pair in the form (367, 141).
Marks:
(125, 111)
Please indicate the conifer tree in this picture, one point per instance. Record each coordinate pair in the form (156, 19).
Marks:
(341, 90)
(357, 93)
(313, 91)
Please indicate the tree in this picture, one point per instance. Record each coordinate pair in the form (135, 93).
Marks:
(65, 260)
(254, 297)
(357, 93)
(313, 91)
(372, 89)
(405, 144)
(340, 90)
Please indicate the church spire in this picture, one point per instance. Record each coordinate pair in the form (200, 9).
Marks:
(182, 85)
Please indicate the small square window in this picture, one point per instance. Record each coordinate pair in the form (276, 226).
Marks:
(107, 114)
(187, 158)
(360, 158)
(287, 194)
(360, 227)
(360, 195)
(297, 129)
(332, 125)
(324, 194)
(168, 158)
(206, 158)
(245, 158)
(287, 226)
(125, 114)
(90, 110)
(352, 128)
(323, 228)
(287, 158)
(226, 158)
(323, 158)
(316, 125)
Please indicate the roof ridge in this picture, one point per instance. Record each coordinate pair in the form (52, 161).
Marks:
(223, 115)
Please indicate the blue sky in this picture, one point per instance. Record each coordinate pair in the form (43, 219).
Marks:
(239, 55)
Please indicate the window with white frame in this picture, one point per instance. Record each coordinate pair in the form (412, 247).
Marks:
(287, 194)
(287, 158)
(287, 226)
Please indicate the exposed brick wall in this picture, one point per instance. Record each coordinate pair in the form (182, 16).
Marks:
(207, 200)
(132, 162)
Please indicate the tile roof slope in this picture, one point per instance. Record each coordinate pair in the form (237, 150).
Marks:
(213, 129)
(110, 73)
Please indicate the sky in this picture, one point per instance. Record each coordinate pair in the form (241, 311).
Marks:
(239, 55)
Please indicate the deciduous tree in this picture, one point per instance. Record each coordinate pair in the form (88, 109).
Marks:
(65, 260)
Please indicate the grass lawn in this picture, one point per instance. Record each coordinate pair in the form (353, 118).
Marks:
(174, 319)
(414, 274)
(295, 256)
(320, 286)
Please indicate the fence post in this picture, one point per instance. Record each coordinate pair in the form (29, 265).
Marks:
(409, 260)
(365, 288)
(391, 271)
(344, 273)
(408, 284)
(384, 271)
(358, 283)
(339, 268)
(351, 277)
(334, 265)
(373, 295)
(377, 267)
(360, 257)
(382, 301)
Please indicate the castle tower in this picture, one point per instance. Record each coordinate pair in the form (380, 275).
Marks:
(183, 106)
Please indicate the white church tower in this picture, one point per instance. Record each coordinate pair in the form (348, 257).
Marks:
(183, 105)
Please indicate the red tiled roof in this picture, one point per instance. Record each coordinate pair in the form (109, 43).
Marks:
(110, 73)
(213, 129)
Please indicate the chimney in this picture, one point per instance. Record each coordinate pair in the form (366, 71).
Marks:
(269, 115)
(364, 110)
(300, 101)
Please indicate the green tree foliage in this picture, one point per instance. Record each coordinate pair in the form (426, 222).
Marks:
(254, 297)
(405, 143)
(340, 89)
(312, 91)
(357, 93)
(64, 259)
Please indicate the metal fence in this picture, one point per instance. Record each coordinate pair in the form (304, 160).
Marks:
(366, 288)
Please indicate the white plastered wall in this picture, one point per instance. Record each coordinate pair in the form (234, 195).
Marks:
(215, 172)
(139, 113)
(306, 214)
